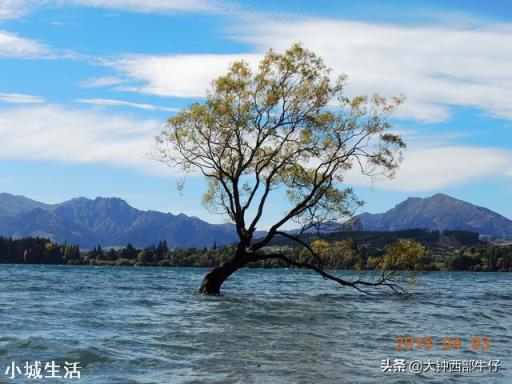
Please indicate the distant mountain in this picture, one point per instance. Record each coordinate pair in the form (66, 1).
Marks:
(112, 222)
(106, 221)
(13, 204)
(439, 212)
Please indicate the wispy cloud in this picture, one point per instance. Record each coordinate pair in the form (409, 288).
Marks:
(154, 6)
(436, 67)
(102, 81)
(20, 98)
(124, 103)
(12, 45)
(17, 47)
(176, 75)
(13, 9)
(52, 132)
(435, 161)
(433, 168)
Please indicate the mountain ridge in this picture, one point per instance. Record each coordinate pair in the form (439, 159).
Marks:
(110, 222)
(439, 212)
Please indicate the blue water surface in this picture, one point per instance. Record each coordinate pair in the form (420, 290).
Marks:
(147, 325)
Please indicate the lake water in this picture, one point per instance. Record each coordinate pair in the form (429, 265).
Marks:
(147, 325)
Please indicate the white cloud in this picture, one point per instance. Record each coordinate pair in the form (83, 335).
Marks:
(153, 6)
(124, 103)
(12, 45)
(102, 81)
(13, 9)
(52, 132)
(177, 75)
(433, 168)
(19, 98)
(436, 67)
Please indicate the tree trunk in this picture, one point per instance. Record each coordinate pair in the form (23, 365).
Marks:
(215, 278)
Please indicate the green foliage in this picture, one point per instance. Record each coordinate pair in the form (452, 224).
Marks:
(145, 257)
(31, 250)
(71, 252)
(400, 262)
(287, 125)
(482, 258)
(403, 254)
(399, 255)
(128, 253)
(341, 254)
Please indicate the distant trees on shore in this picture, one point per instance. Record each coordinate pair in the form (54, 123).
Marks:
(340, 254)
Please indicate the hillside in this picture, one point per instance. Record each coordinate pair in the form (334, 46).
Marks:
(439, 212)
(112, 222)
(106, 221)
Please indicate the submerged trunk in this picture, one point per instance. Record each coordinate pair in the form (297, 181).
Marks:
(215, 278)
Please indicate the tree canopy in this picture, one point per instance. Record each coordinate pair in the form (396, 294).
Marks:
(286, 126)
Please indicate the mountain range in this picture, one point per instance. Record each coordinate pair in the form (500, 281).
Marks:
(439, 212)
(112, 222)
(106, 221)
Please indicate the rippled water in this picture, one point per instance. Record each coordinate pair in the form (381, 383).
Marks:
(147, 325)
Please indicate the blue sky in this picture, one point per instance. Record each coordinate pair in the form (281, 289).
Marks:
(86, 84)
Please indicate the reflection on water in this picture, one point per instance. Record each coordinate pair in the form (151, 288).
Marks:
(147, 325)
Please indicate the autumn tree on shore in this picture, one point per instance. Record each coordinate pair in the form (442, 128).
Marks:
(286, 127)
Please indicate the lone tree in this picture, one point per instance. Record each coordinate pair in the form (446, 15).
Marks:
(287, 127)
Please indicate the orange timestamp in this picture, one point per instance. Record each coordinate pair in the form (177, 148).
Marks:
(427, 343)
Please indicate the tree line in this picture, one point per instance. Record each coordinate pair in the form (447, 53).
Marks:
(338, 254)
